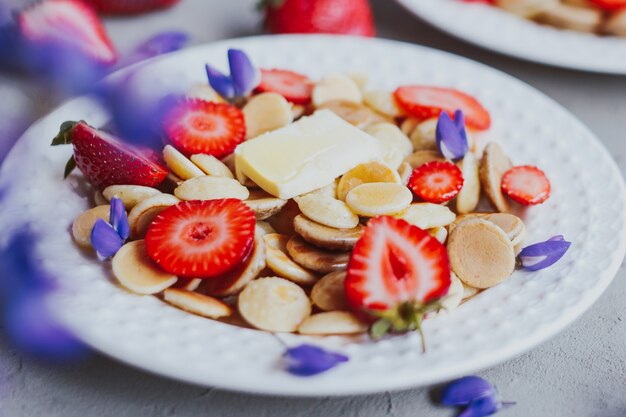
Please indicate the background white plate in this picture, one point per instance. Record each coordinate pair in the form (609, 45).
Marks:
(506, 33)
(588, 206)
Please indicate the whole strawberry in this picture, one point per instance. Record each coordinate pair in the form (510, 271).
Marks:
(349, 17)
(105, 160)
(130, 6)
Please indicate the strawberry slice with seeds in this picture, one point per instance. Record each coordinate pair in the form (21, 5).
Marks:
(196, 126)
(396, 274)
(105, 160)
(68, 22)
(436, 182)
(296, 88)
(201, 239)
(130, 6)
(526, 184)
(424, 102)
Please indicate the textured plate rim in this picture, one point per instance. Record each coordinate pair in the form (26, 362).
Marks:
(546, 58)
(297, 390)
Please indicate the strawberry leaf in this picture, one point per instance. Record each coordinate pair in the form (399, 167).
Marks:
(64, 136)
(380, 328)
(275, 4)
(69, 167)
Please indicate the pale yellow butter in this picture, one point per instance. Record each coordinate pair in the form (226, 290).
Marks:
(305, 155)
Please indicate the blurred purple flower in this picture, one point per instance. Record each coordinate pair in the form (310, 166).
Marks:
(108, 238)
(542, 255)
(244, 76)
(308, 360)
(24, 288)
(464, 390)
(475, 393)
(451, 136)
(161, 43)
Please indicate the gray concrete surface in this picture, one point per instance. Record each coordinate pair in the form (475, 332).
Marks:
(581, 372)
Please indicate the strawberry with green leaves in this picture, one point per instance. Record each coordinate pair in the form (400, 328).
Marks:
(397, 274)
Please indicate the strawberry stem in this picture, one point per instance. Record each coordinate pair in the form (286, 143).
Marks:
(69, 167)
(64, 137)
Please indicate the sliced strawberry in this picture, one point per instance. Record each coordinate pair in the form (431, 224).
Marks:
(296, 88)
(436, 182)
(526, 184)
(201, 239)
(105, 160)
(69, 22)
(612, 5)
(197, 126)
(396, 273)
(130, 6)
(424, 102)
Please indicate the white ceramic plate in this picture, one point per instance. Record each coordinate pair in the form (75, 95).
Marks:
(506, 33)
(588, 206)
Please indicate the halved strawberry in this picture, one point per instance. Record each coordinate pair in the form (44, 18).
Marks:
(612, 5)
(130, 6)
(68, 22)
(526, 184)
(296, 88)
(424, 102)
(436, 182)
(197, 126)
(397, 273)
(201, 239)
(105, 160)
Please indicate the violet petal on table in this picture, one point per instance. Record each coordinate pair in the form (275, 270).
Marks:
(105, 239)
(542, 255)
(481, 407)
(245, 76)
(464, 390)
(221, 83)
(451, 136)
(32, 328)
(308, 360)
(119, 219)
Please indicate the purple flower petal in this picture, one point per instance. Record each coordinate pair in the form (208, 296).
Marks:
(451, 136)
(32, 329)
(105, 240)
(308, 360)
(245, 76)
(542, 255)
(21, 270)
(118, 218)
(464, 390)
(481, 407)
(220, 82)
(159, 44)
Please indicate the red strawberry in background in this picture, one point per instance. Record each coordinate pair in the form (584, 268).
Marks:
(130, 6)
(396, 274)
(348, 17)
(68, 22)
(105, 160)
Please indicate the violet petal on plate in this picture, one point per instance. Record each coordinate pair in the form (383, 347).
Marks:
(221, 83)
(451, 136)
(119, 219)
(244, 75)
(481, 407)
(308, 360)
(464, 390)
(542, 255)
(105, 239)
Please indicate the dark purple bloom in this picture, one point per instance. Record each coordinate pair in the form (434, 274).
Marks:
(464, 390)
(244, 76)
(34, 331)
(451, 136)
(481, 407)
(542, 255)
(220, 82)
(108, 238)
(21, 270)
(159, 44)
(308, 360)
